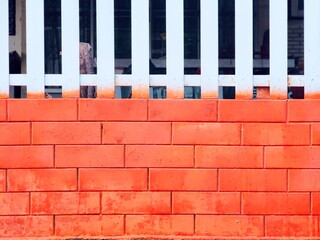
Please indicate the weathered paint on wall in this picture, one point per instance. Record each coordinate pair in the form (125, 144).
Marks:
(159, 168)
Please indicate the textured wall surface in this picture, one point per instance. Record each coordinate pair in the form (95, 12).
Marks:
(170, 168)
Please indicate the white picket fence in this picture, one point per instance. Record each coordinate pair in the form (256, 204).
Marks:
(209, 80)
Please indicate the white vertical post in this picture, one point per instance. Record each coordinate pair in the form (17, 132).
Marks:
(140, 48)
(243, 47)
(175, 48)
(4, 49)
(209, 48)
(312, 48)
(35, 48)
(70, 47)
(105, 48)
(278, 49)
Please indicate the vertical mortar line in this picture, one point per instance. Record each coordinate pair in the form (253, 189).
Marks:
(148, 110)
(30, 203)
(194, 223)
(6, 176)
(264, 157)
(264, 225)
(124, 224)
(194, 156)
(171, 133)
(31, 133)
(241, 134)
(124, 156)
(101, 132)
(100, 203)
(171, 202)
(78, 110)
(218, 176)
(241, 210)
(54, 156)
(7, 111)
(78, 179)
(311, 202)
(148, 179)
(54, 224)
(287, 185)
(217, 110)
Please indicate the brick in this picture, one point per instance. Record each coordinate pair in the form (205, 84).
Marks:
(206, 133)
(113, 110)
(136, 203)
(3, 180)
(3, 110)
(252, 111)
(304, 180)
(65, 203)
(229, 226)
(293, 226)
(42, 110)
(14, 133)
(205, 203)
(315, 203)
(252, 180)
(276, 203)
(26, 226)
(303, 111)
(14, 203)
(42, 179)
(113, 179)
(66, 133)
(136, 133)
(292, 157)
(89, 225)
(228, 157)
(183, 110)
(159, 156)
(26, 157)
(316, 134)
(159, 224)
(183, 180)
(276, 134)
(89, 156)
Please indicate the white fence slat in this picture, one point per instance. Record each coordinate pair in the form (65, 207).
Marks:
(312, 48)
(35, 48)
(70, 47)
(243, 48)
(278, 49)
(140, 48)
(105, 48)
(175, 48)
(4, 49)
(209, 48)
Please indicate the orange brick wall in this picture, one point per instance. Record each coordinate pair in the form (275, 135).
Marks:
(159, 168)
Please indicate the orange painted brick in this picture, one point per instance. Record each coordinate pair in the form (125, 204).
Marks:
(183, 110)
(183, 179)
(316, 134)
(252, 111)
(276, 203)
(42, 110)
(303, 111)
(136, 133)
(66, 133)
(113, 110)
(292, 157)
(14, 133)
(113, 179)
(159, 156)
(14, 203)
(252, 180)
(136, 203)
(42, 179)
(89, 156)
(3, 110)
(3, 180)
(229, 226)
(206, 133)
(292, 226)
(25, 226)
(315, 203)
(228, 157)
(159, 224)
(205, 203)
(65, 203)
(26, 157)
(304, 180)
(276, 134)
(89, 225)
